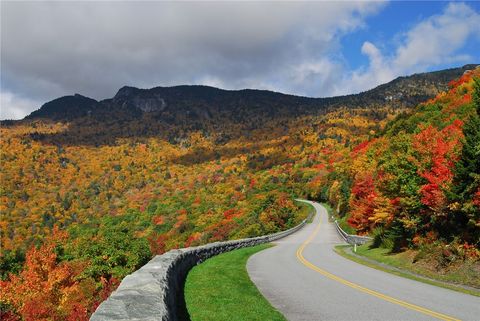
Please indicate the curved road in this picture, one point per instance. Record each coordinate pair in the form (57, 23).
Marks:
(305, 280)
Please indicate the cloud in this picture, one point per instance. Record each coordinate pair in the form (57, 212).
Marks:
(51, 49)
(438, 38)
(15, 107)
(432, 42)
(376, 59)
(317, 77)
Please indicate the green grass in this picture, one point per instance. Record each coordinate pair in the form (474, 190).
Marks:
(305, 210)
(342, 221)
(399, 264)
(329, 210)
(220, 289)
(328, 207)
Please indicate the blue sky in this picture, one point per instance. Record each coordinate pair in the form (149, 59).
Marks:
(52, 49)
(394, 19)
(383, 27)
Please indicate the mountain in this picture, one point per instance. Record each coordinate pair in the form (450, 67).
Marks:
(176, 104)
(66, 108)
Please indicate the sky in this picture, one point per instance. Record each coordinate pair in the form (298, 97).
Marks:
(317, 49)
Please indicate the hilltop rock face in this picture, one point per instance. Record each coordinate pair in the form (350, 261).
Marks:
(196, 104)
(145, 100)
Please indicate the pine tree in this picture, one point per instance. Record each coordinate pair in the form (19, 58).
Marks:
(476, 94)
(467, 171)
(469, 162)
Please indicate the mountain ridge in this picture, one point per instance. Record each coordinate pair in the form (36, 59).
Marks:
(206, 102)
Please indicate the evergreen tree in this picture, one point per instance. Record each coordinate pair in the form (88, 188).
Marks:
(476, 94)
(469, 163)
(467, 171)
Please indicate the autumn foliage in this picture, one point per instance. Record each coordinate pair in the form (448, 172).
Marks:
(438, 151)
(47, 289)
(419, 180)
(84, 206)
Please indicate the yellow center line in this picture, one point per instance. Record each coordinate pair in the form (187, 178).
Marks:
(329, 275)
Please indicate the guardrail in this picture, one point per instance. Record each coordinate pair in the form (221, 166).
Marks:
(155, 291)
(351, 239)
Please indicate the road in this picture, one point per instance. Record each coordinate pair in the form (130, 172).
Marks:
(306, 280)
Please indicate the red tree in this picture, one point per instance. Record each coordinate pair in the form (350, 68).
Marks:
(46, 289)
(438, 150)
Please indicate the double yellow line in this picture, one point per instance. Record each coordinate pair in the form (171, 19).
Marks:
(329, 275)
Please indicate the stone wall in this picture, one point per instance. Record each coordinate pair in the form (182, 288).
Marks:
(155, 291)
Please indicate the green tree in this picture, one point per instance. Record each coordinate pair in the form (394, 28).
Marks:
(476, 94)
(112, 249)
(467, 170)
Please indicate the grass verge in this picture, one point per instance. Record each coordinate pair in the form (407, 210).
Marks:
(220, 289)
(398, 264)
(329, 210)
(305, 210)
(342, 221)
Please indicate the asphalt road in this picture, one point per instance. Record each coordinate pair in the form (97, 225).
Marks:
(306, 280)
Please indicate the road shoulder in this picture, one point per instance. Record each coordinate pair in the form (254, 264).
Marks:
(346, 252)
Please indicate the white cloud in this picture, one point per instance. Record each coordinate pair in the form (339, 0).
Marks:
(376, 58)
(313, 76)
(15, 107)
(437, 39)
(51, 49)
(432, 42)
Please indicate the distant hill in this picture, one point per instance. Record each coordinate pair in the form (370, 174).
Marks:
(176, 104)
(174, 112)
(66, 108)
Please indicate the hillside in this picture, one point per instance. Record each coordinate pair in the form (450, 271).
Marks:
(418, 182)
(92, 190)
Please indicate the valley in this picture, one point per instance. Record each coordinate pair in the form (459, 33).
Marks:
(91, 190)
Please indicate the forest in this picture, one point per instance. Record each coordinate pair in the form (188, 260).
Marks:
(418, 183)
(80, 213)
